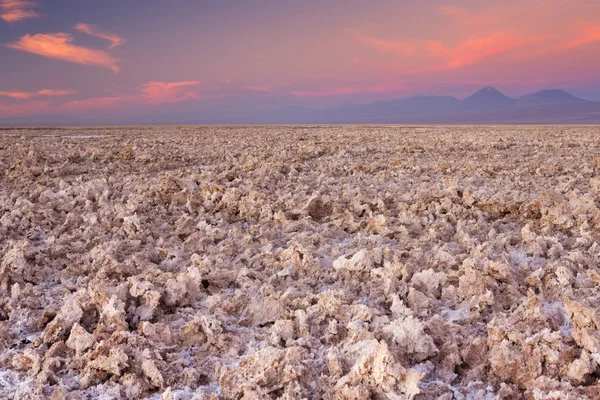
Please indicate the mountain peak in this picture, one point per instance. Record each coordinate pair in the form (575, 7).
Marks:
(488, 97)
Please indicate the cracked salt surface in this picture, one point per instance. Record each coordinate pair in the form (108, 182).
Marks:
(349, 262)
(85, 136)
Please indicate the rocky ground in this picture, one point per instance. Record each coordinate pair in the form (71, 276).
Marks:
(300, 262)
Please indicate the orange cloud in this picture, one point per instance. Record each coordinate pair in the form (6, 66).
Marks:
(50, 92)
(515, 29)
(474, 49)
(17, 10)
(92, 30)
(148, 94)
(59, 46)
(173, 92)
(548, 20)
(470, 51)
(43, 92)
(588, 33)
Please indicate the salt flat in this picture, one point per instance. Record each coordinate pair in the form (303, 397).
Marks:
(335, 262)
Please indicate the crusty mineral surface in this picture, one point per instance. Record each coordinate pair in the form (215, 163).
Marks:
(351, 262)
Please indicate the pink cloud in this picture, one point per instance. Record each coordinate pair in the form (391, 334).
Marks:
(477, 48)
(148, 94)
(25, 109)
(516, 30)
(92, 30)
(17, 10)
(173, 92)
(587, 33)
(60, 46)
(43, 92)
(151, 93)
(469, 51)
(550, 21)
(51, 92)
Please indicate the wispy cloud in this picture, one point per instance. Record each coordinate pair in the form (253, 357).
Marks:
(477, 48)
(147, 95)
(151, 93)
(43, 92)
(90, 29)
(515, 31)
(587, 33)
(25, 109)
(60, 46)
(553, 31)
(435, 55)
(171, 92)
(17, 10)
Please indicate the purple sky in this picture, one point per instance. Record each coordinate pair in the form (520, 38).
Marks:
(127, 58)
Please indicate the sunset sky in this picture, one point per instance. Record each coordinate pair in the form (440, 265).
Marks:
(101, 59)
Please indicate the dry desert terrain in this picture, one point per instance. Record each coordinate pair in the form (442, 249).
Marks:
(296, 262)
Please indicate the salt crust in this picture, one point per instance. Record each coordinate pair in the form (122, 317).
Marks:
(300, 262)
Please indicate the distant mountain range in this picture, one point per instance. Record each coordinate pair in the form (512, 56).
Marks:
(546, 97)
(488, 105)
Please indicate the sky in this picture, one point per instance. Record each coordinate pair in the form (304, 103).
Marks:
(116, 59)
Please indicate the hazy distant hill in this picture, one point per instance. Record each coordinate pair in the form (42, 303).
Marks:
(415, 104)
(554, 96)
(487, 105)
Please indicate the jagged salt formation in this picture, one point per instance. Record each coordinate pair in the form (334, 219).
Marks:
(300, 262)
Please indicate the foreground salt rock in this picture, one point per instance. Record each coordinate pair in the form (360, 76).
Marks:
(374, 372)
(356, 262)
